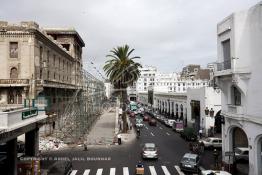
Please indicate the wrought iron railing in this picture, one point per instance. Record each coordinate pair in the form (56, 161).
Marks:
(224, 65)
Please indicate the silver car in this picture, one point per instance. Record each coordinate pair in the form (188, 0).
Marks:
(149, 151)
(190, 163)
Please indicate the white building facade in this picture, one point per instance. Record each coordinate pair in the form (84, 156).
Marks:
(238, 74)
(204, 106)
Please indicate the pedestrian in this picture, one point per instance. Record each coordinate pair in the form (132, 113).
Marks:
(119, 139)
(200, 133)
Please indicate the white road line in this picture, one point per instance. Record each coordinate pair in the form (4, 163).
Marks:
(152, 170)
(99, 171)
(73, 172)
(179, 170)
(146, 127)
(152, 134)
(112, 171)
(160, 128)
(86, 172)
(125, 171)
(167, 133)
(165, 170)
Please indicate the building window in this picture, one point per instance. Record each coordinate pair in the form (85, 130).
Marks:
(13, 73)
(13, 49)
(47, 58)
(236, 96)
(226, 54)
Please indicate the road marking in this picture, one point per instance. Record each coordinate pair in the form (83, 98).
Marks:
(73, 172)
(112, 171)
(146, 127)
(86, 172)
(167, 133)
(179, 170)
(160, 128)
(125, 171)
(99, 171)
(152, 134)
(166, 172)
(152, 170)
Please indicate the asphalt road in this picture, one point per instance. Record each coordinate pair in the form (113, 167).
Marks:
(121, 159)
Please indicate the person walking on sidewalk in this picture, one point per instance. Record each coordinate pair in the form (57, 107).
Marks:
(119, 139)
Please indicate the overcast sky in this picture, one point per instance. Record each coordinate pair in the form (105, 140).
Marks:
(167, 34)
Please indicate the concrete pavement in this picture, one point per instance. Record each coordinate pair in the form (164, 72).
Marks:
(107, 127)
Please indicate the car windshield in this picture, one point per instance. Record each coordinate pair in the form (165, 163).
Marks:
(208, 140)
(149, 148)
(188, 159)
(238, 151)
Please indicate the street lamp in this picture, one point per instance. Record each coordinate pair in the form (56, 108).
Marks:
(206, 111)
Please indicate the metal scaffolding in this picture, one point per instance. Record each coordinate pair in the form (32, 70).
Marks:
(81, 111)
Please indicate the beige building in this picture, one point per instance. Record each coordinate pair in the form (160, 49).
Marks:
(38, 63)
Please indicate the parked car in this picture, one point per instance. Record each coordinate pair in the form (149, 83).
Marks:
(211, 142)
(178, 126)
(189, 134)
(149, 151)
(241, 154)
(169, 122)
(146, 118)
(61, 167)
(214, 172)
(190, 163)
(152, 122)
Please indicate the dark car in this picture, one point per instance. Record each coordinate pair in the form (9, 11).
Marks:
(61, 168)
(190, 163)
(152, 122)
(146, 118)
(188, 134)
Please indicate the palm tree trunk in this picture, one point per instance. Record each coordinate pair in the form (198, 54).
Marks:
(124, 117)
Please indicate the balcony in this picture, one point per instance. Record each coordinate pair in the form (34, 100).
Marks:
(223, 68)
(235, 109)
(224, 65)
(15, 118)
(14, 82)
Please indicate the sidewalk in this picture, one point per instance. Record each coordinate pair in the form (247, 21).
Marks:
(105, 130)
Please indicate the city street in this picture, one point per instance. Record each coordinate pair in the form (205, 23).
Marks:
(121, 159)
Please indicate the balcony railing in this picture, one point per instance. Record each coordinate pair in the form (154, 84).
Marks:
(224, 65)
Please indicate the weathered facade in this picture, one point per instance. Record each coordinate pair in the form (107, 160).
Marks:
(37, 63)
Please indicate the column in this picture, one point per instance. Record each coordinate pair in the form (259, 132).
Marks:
(11, 157)
(31, 142)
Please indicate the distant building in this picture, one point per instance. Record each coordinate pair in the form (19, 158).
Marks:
(108, 89)
(238, 74)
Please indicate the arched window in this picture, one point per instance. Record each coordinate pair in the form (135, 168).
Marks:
(13, 72)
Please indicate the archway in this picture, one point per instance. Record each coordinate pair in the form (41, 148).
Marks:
(259, 155)
(218, 126)
(239, 145)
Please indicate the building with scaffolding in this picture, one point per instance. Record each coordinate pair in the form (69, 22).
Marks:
(43, 83)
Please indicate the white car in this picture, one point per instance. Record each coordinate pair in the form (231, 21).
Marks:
(214, 172)
(149, 151)
(241, 153)
(170, 122)
(212, 142)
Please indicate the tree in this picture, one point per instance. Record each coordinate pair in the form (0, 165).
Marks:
(122, 71)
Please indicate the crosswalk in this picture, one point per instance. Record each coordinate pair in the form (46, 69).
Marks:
(150, 170)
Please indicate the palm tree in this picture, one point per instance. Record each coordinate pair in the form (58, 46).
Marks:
(122, 71)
